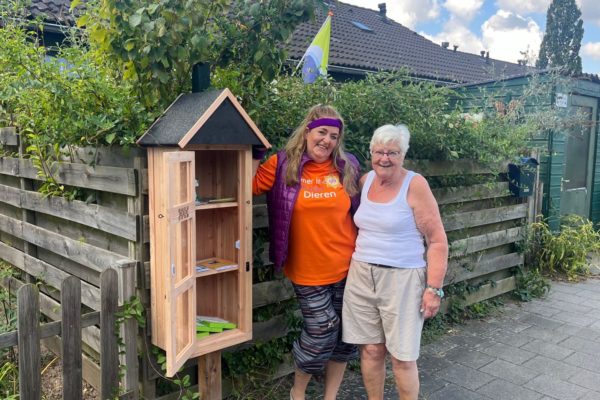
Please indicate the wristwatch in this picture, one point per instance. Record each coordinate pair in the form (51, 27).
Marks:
(438, 291)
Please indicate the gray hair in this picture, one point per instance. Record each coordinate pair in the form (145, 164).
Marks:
(396, 134)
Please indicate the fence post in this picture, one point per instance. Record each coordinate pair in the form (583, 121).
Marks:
(109, 350)
(28, 317)
(70, 300)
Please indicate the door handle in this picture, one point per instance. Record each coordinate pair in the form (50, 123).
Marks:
(562, 182)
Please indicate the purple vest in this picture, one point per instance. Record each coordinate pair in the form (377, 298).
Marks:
(280, 204)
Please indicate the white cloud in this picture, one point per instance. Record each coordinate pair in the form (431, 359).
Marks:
(407, 12)
(589, 11)
(591, 49)
(506, 34)
(463, 9)
(456, 33)
(525, 7)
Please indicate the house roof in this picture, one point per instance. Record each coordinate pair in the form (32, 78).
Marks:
(53, 11)
(210, 117)
(390, 46)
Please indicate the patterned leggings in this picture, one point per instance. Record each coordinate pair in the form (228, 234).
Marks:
(321, 336)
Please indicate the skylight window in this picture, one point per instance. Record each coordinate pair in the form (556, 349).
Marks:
(361, 26)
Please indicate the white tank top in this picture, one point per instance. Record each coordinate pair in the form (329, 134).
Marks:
(387, 232)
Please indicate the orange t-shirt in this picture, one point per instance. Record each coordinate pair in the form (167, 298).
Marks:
(322, 233)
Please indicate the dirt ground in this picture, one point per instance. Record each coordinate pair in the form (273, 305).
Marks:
(52, 379)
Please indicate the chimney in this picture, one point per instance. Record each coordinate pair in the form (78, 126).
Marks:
(382, 11)
(455, 46)
(445, 45)
(487, 54)
(482, 52)
(200, 77)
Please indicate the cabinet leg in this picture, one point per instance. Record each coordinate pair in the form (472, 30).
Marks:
(209, 376)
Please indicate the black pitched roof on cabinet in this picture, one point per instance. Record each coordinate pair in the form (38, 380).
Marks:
(391, 46)
(210, 117)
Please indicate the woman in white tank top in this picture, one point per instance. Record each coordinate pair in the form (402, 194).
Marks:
(398, 266)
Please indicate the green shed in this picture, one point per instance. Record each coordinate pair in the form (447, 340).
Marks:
(570, 156)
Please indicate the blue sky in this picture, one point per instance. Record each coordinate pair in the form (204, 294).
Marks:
(505, 28)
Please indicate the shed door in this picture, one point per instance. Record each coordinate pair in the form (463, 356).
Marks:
(576, 182)
(181, 310)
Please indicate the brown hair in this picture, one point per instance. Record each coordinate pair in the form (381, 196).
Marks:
(296, 146)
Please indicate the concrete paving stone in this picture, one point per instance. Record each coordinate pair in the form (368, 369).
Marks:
(509, 372)
(541, 321)
(430, 383)
(502, 390)
(466, 377)
(542, 309)
(509, 353)
(547, 335)
(558, 389)
(574, 318)
(465, 339)
(589, 294)
(589, 333)
(595, 311)
(587, 379)
(549, 350)
(581, 345)
(511, 339)
(439, 347)
(570, 307)
(469, 357)
(548, 366)
(432, 363)
(565, 287)
(565, 297)
(453, 392)
(582, 360)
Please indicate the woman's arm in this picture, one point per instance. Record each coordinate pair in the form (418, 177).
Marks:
(429, 223)
(264, 175)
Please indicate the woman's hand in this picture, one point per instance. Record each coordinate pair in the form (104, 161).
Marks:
(430, 304)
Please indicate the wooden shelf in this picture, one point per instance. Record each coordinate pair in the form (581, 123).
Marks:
(212, 206)
(219, 341)
(208, 273)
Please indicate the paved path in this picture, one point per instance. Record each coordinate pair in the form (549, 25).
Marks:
(541, 350)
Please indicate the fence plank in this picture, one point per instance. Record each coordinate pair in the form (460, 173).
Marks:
(106, 219)
(474, 244)
(459, 194)
(82, 253)
(453, 167)
(483, 217)
(70, 299)
(456, 273)
(109, 352)
(28, 316)
(108, 179)
(9, 137)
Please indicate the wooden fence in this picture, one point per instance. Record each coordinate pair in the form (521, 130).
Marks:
(30, 333)
(52, 238)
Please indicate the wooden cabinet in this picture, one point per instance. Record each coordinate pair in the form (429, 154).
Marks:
(200, 208)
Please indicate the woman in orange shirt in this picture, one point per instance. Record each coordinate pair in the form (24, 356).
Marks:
(312, 191)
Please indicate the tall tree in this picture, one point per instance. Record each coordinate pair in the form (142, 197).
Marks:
(562, 40)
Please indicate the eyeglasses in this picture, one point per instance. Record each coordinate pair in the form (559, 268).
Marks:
(390, 154)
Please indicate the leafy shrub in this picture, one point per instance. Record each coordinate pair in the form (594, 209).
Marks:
(565, 252)
(530, 284)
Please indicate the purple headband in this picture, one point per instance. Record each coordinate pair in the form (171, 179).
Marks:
(325, 122)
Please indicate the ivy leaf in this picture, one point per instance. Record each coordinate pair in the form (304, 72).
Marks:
(135, 20)
(110, 137)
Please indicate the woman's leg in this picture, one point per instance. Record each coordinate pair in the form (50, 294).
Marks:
(301, 380)
(318, 338)
(334, 374)
(407, 378)
(372, 366)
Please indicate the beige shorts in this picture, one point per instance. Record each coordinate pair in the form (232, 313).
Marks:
(382, 305)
